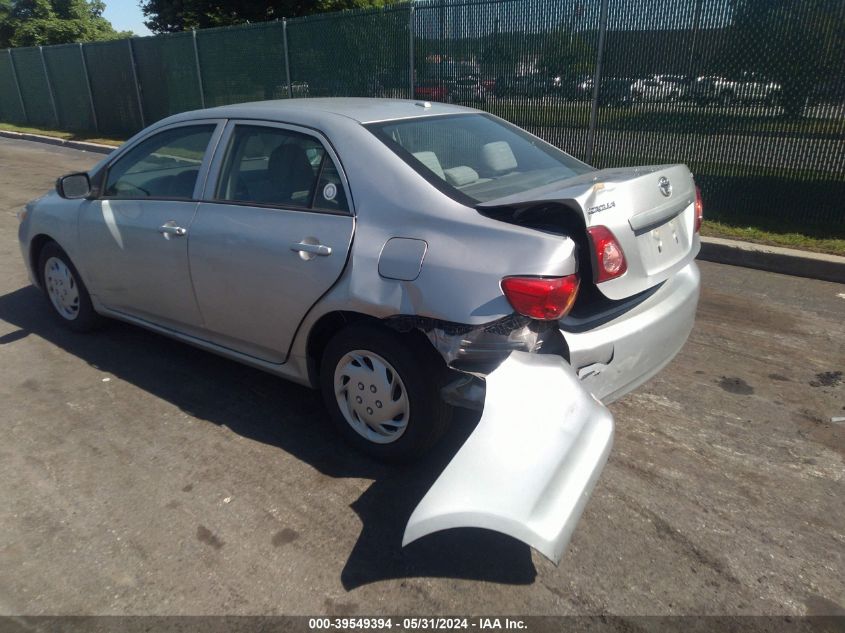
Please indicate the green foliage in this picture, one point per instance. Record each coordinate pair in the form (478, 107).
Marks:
(565, 53)
(793, 43)
(364, 54)
(42, 22)
(167, 16)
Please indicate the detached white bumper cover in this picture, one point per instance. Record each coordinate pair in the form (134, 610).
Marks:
(528, 469)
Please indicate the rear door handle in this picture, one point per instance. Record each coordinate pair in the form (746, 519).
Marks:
(170, 228)
(313, 249)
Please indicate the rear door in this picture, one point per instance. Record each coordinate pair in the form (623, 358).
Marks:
(270, 237)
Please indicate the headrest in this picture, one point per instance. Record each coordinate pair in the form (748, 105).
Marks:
(498, 156)
(461, 175)
(289, 161)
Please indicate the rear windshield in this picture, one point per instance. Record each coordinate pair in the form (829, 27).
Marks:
(476, 157)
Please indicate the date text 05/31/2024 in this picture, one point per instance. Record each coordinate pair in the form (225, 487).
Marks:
(412, 624)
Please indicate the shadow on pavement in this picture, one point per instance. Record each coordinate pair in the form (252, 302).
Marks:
(268, 409)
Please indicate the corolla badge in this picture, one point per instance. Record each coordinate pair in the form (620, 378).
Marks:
(665, 186)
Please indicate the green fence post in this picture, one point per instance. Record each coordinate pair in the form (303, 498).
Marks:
(135, 79)
(88, 86)
(594, 109)
(199, 68)
(411, 49)
(49, 87)
(17, 84)
(287, 56)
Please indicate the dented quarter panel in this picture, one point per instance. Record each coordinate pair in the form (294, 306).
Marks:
(392, 201)
(528, 468)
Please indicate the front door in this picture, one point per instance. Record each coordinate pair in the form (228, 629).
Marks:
(135, 236)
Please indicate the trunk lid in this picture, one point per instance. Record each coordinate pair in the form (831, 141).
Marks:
(650, 211)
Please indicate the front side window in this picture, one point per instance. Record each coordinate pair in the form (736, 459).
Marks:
(278, 167)
(166, 165)
(475, 157)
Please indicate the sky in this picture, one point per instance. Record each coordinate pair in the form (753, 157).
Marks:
(125, 15)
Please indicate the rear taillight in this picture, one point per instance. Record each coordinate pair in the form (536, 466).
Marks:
(699, 209)
(609, 258)
(546, 299)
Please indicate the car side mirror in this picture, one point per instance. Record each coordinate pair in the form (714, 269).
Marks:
(74, 186)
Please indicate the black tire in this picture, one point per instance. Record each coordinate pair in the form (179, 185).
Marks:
(421, 371)
(86, 320)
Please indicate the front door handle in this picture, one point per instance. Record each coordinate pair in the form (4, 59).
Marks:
(170, 228)
(312, 249)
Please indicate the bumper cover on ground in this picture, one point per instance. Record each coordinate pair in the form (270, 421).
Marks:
(528, 468)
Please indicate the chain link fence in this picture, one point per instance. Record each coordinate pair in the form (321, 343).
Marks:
(749, 93)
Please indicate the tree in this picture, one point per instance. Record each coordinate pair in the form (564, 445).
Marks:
(796, 44)
(565, 53)
(42, 22)
(167, 16)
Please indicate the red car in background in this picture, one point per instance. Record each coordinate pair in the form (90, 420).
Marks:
(432, 90)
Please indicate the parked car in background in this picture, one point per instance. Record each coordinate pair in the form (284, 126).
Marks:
(828, 92)
(584, 88)
(616, 92)
(566, 86)
(531, 85)
(432, 90)
(750, 88)
(660, 88)
(403, 258)
(468, 89)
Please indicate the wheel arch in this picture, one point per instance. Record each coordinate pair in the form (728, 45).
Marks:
(329, 324)
(36, 245)
(322, 332)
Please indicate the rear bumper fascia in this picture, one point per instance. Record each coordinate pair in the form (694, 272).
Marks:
(622, 354)
(528, 468)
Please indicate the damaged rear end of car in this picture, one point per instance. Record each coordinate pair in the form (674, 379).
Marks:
(544, 436)
(547, 287)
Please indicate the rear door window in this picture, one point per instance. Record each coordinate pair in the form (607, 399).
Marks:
(277, 167)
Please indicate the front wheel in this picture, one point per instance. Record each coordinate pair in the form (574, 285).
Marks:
(65, 290)
(382, 390)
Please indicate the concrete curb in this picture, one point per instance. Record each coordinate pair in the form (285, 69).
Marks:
(774, 259)
(51, 140)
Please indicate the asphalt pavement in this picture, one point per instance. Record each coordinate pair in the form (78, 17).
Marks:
(142, 476)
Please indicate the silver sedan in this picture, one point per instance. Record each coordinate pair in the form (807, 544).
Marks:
(405, 258)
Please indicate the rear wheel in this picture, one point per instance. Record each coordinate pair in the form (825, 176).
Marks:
(65, 290)
(382, 390)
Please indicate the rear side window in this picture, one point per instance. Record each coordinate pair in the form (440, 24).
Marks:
(165, 165)
(280, 168)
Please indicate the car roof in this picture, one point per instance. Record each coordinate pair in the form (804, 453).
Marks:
(360, 109)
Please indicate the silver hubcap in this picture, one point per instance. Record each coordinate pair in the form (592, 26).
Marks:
(371, 396)
(61, 288)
